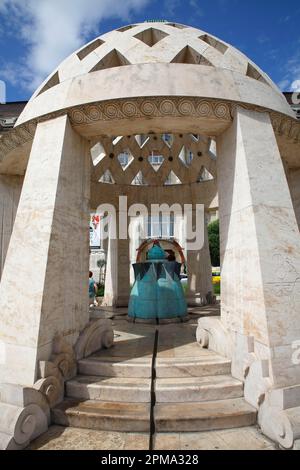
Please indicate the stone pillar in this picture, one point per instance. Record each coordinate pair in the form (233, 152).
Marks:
(294, 185)
(134, 243)
(10, 190)
(260, 256)
(111, 274)
(123, 273)
(49, 248)
(117, 279)
(200, 289)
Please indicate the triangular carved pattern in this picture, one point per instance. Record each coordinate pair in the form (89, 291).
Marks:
(151, 36)
(150, 43)
(140, 162)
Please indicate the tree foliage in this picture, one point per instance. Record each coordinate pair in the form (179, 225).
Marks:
(214, 243)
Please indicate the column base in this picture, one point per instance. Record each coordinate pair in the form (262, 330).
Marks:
(24, 415)
(109, 301)
(122, 301)
(279, 416)
(200, 300)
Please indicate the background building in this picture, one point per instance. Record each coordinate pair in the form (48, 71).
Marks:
(290, 97)
(9, 113)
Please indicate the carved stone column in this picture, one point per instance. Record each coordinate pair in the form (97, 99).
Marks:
(200, 290)
(117, 278)
(260, 245)
(260, 276)
(49, 247)
(111, 274)
(123, 273)
(10, 190)
(294, 185)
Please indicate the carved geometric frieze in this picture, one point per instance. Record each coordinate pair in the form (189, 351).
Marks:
(157, 159)
(150, 107)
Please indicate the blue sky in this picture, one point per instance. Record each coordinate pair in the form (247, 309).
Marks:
(35, 35)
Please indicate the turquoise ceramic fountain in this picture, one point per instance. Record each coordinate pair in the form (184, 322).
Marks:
(157, 293)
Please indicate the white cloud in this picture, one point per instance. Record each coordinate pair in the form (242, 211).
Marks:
(284, 84)
(170, 7)
(291, 73)
(295, 85)
(195, 5)
(52, 29)
(262, 39)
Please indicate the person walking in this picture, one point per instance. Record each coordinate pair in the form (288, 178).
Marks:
(92, 291)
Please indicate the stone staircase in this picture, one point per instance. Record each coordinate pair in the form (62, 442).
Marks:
(178, 394)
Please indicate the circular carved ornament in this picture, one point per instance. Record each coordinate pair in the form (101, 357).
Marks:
(111, 111)
(167, 107)
(148, 108)
(129, 109)
(186, 107)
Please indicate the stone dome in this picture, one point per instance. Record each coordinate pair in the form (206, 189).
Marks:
(146, 43)
(147, 59)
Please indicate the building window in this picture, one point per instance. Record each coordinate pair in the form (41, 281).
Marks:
(123, 158)
(155, 158)
(168, 139)
(186, 156)
(160, 226)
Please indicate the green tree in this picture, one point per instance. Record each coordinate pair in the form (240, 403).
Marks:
(214, 242)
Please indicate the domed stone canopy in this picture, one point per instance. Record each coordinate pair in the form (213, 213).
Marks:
(155, 59)
(146, 43)
(161, 76)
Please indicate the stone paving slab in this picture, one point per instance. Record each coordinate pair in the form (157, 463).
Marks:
(60, 438)
(135, 340)
(248, 438)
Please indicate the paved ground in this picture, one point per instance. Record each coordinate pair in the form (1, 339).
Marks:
(248, 438)
(119, 313)
(59, 438)
(136, 341)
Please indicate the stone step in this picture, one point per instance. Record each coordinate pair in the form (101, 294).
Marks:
(165, 368)
(206, 416)
(113, 389)
(192, 367)
(115, 367)
(103, 416)
(197, 389)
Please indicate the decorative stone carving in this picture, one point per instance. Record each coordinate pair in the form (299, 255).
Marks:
(63, 358)
(283, 125)
(16, 137)
(202, 336)
(150, 107)
(278, 409)
(257, 382)
(279, 416)
(20, 425)
(254, 371)
(211, 334)
(25, 411)
(53, 389)
(186, 172)
(53, 373)
(24, 415)
(98, 334)
(147, 107)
